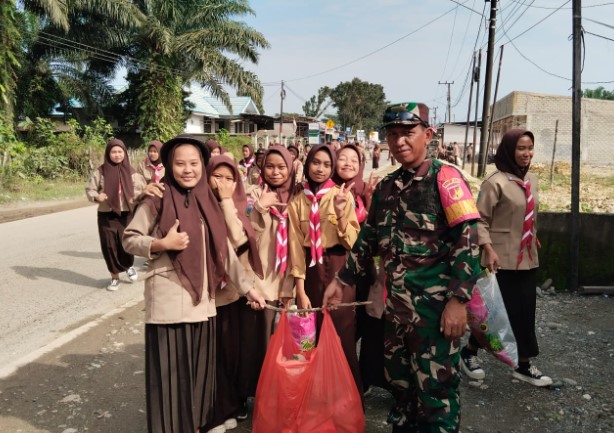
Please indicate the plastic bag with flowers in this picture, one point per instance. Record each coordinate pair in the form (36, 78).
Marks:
(488, 320)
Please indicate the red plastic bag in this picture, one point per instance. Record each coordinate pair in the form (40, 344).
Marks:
(307, 392)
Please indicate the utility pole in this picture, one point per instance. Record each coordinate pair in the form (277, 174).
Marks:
(487, 84)
(449, 112)
(435, 117)
(576, 122)
(494, 104)
(282, 94)
(469, 111)
(475, 119)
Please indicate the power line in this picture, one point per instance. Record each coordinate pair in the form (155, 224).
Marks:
(466, 7)
(375, 51)
(583, 7)
(599, 36)
(597, 22)
(540, 21)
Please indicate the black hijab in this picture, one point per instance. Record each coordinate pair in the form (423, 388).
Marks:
(505, 158)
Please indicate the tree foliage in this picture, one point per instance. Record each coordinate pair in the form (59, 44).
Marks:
(598, 93)
(359, 104)
(317, 104)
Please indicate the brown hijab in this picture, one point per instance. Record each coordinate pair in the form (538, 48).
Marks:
(315, 149)
(116, 174)
(240, 200)
(359, 185)
(212, 145)
(157, 145)
(191, 207)
(505, 158)
(288, 188)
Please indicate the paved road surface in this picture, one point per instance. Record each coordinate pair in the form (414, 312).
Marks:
(52, 279)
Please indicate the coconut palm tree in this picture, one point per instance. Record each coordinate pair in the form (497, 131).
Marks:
(189, 41)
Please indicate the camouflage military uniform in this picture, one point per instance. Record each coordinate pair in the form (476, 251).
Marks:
(426, 260)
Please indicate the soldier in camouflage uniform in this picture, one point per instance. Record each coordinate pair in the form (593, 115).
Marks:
(423, 225)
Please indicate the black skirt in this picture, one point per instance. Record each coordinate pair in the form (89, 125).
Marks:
(110, 230)
(180, 375)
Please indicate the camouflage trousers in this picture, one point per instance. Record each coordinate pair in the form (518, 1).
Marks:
(422, 369)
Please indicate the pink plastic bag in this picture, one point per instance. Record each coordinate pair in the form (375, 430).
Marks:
(303, 330)
(307, 392)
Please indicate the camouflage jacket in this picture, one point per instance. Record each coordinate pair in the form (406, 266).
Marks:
(429, 252)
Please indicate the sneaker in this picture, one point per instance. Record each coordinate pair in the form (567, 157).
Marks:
(532, 376)
(132, 274)
(113, 285)
(218, 429)
(368, 392)
(470, 365)
(242, 412)
(230, 423)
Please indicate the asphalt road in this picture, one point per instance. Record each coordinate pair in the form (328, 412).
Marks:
(53, 279)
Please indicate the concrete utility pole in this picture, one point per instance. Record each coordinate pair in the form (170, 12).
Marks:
(282, 94)
(435, 116)
(487, 85)
(449, 112)
(469, 111)
(576, 122)
(494, 105)
(475, 119)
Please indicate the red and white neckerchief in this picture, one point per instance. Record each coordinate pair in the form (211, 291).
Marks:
(359, 208)
(247, 164)
(156, 169)
(281, 239)
(529, 220)
(315, 234)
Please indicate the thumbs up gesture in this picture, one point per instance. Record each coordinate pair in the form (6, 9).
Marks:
(176, 240)
(340, 200)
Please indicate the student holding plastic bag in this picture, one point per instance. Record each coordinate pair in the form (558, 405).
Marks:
(508, 204)
(269, 219)
(224, 178)
(323, 228)
(183, 234)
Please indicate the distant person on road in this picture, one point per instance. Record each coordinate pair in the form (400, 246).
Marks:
(377, 152)
(115, 186)
(508, 203)
(151, 168)
(297, 164)
(184, 236)
(423, 225)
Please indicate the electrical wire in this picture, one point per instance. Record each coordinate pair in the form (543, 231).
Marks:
(597, 22)
(374, 51)
(599, 36)
(583, 7)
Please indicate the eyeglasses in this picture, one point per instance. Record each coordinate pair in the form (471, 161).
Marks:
(403, 116)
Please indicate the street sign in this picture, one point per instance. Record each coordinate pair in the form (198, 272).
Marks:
(348, 130)
(330, 124)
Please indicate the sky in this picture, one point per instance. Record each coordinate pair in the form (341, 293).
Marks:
(410, 46)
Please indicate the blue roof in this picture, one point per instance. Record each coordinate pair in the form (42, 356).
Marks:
(203, 107)
(74, 103)
(239, 105)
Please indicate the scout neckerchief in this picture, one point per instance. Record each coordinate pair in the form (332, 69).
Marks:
(529, 220)
(281, 239)
(156, 169)
(315, 234)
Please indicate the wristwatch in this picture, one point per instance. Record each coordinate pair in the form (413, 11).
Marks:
(461, 300)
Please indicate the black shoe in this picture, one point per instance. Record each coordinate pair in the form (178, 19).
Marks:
(242, 413)
(470, 365)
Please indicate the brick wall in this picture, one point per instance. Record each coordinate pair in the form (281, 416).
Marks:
(539, 113)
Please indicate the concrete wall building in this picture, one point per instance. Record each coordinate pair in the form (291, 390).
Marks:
(539, 113)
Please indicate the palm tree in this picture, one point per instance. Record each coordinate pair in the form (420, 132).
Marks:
(186, 41)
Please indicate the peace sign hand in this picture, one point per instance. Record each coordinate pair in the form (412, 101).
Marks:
(369, 189)
(341, 198)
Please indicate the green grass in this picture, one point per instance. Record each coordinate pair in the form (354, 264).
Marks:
(45, 190)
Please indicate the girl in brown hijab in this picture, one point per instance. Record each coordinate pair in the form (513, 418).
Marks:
(507, 232)
(224, 179)
(183, 234)
(151, 168)
(114, 186)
